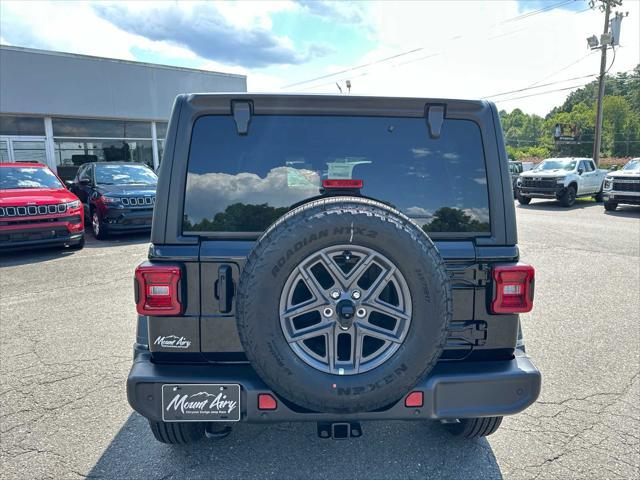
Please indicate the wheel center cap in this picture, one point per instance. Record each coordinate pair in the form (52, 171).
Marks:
(346, 311)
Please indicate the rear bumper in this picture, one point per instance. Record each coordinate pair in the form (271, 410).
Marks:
(452, 390)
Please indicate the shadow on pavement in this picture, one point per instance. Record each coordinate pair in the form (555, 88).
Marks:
(630, 211)
(386, 450)
(552, 205)
(15, 258)
(115, 240)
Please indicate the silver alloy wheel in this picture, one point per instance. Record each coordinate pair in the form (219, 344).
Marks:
(348, 341)
(95, 222)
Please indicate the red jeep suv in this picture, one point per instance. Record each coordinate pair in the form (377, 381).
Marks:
(36, 209)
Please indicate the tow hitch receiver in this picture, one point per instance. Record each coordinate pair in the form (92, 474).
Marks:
(339, 430)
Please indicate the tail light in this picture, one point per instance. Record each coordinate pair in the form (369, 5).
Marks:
(157, 289)
(345, 183)
(513, 288)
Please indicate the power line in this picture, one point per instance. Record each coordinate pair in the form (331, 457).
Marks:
(562, 69)
(540, 86)
(409, 52)
(542, 93)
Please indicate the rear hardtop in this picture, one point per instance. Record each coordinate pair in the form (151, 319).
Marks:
(213, 258)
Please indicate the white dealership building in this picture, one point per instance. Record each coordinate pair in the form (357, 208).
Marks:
(65, 109)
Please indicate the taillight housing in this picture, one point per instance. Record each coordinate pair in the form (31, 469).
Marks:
(513, 288)
(158, 289)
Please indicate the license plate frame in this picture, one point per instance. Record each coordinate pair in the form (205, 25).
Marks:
(201, 402)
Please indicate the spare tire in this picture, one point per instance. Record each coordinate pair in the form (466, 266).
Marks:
(343, 305)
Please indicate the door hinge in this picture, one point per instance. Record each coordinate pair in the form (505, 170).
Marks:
(242, 111)
(467, 333)
(475, 275)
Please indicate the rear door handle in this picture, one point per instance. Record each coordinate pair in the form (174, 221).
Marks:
(224, 288)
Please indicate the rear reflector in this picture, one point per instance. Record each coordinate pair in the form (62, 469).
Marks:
(513, 288)
(348, 184)
(266, 402)
(414, 399)
(157, 287)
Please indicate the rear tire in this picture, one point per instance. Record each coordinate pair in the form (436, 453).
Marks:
(471, 428)
(610, 206)
(178, 433)
(599, 197)
(568, 198)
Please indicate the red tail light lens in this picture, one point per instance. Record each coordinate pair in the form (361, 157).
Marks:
(513, 288)
(157, 290)
(266, 402)
(414, 399)
(348, 184)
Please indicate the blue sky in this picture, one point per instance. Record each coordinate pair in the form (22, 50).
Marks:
(466, 49)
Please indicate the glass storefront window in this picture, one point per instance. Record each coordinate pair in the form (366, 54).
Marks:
(77, 152)
(83, 127)
(29, 151)
(161, 130)
(4, 151)
(160, 150)
(14, 125)
(70, 154)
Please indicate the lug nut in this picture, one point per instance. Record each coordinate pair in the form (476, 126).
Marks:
(356, 294)
(335, 294)
(361, 313)
(327, 312)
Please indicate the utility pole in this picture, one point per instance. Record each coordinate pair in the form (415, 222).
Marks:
(605, 40)
(603, 65)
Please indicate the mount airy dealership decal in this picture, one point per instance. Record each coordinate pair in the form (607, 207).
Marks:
(202, 403)
(172, 341)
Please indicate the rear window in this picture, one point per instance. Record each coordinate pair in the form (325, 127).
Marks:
(243, 183)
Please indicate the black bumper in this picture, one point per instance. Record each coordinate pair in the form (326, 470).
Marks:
(622, 197)
(540, 192)
(38, 237)
(452, 390)
(128, 220)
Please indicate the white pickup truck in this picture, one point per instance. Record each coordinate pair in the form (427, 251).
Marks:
(564, 179)
(623, 186)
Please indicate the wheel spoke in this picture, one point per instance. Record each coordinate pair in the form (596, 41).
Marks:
(313, 285)
(377, 332)
(302, 308)
(379, 284)
(387, 309)
(359, 270)
(309, 332)
(336, 272)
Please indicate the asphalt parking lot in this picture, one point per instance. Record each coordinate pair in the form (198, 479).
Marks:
(67, 323)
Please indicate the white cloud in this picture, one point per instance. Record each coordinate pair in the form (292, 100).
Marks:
(467, 52)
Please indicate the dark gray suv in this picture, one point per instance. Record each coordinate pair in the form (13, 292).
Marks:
(331, 259)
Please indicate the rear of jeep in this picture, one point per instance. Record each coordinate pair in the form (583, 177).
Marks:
(331, 259)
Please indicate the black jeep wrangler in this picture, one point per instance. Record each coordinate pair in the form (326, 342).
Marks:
(331, 259)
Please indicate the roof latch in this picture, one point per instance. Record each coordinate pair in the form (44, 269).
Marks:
(435, 119)
(242, 115)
